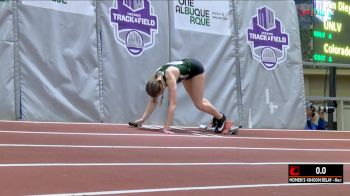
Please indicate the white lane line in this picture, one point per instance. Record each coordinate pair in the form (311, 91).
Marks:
(117, 125)
(163, 164)
(194, 189)
(121, 125)
(105, 134)
(297, 130)
(175, 135)
(175, 147)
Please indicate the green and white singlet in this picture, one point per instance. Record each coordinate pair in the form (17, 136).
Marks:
(188, 68)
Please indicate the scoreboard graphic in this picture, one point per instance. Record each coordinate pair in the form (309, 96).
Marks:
(315, 173)
(331, 27)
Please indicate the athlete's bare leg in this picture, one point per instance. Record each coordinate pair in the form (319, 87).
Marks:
(195, 89)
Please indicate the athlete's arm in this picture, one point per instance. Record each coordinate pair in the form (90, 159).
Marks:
(150, 108)
(171, 77)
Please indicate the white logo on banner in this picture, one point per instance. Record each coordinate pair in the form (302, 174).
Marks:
(203, 16)
(70, 6)
(270, 103)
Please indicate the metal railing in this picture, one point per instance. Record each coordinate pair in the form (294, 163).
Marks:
(323, 65)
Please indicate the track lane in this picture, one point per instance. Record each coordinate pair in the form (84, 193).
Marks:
(52, 180)
(95, 155)
(93, 138)
(237, 178)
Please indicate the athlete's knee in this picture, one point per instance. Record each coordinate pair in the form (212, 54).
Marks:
(200, 105)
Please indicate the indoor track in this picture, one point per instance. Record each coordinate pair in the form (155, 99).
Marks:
(105, 159)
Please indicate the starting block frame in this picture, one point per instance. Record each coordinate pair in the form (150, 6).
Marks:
(229, 129)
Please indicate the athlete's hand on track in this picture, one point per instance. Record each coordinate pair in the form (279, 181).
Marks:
(136, 123)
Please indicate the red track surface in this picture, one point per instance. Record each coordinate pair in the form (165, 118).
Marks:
(102, 159)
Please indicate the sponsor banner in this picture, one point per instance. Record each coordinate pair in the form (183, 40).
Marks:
(202, 16)
(70, 6)
(135, 25)
(267, 38)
